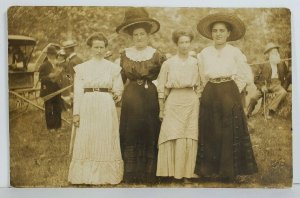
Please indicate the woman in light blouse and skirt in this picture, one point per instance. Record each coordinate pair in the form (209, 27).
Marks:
(224, 146)
(178, 90)
(97, 87)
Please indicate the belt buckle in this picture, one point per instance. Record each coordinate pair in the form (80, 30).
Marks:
(139, 81)
(96, 89)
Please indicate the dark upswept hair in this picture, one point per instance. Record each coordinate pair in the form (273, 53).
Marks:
(227, 25)
(99, 36)
(146, 26)
(181, 32)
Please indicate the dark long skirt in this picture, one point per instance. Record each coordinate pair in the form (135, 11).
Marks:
(139, 130)
(225, 148)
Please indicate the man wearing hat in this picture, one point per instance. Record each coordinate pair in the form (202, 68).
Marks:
(72, 59)
(49, 76)
(270, 78)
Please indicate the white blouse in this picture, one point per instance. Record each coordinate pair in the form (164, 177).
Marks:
(178, 73)
(226, 62)
(96, 74)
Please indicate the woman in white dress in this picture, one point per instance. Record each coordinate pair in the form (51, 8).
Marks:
(179, 91)
(98, 85)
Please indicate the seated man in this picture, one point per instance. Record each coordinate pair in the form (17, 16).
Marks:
(270, 78)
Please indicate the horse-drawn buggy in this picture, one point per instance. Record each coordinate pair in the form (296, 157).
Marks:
(23, 75)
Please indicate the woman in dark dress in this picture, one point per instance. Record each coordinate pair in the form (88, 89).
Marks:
(224, 146)
(139, 121)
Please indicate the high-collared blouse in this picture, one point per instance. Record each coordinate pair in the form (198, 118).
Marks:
(178, 73)
(96, 74)
(141, 64)
(226, 62)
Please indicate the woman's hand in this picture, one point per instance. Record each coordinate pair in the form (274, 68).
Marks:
(264, 89)
(161, 115)
(76, 120)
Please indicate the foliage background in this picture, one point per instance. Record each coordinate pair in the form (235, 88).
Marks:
(55, 24)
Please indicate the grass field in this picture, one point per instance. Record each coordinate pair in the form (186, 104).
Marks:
(40, 158)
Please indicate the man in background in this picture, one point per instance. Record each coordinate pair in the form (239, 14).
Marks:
(270, 78)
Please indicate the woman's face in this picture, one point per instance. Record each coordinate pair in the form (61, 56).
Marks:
(220, 33)
(140, 38)
(184, 43)
(98, 49)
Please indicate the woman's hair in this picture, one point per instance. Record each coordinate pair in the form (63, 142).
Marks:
(146, 26)
(182, 32)
(227, 25)
(96, 36)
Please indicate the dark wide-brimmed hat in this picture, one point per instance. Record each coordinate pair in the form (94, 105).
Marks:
(238, 28)
(270, 46)
(51, 50)
(134, 16)
(68, 44)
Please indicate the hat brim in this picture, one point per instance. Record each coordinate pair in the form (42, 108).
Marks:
(270, 48)
(155, 26)
(68, 46)
(238, 27)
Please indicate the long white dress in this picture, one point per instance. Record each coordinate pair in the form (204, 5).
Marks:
(97, 155)
(179, 85)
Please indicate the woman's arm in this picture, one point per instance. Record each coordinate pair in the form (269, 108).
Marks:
(117, 84)
(163, 92)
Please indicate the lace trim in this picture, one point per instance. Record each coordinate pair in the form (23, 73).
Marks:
(136, 55)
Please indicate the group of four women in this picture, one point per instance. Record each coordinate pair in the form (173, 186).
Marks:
(163, 132)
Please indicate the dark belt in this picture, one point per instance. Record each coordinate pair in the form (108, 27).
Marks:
(96, 89)
(220, 79)
(138, 81)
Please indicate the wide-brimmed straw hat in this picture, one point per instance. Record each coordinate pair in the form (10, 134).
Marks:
(270, 46)
(134, 16)
(68, 44)
(238, 28)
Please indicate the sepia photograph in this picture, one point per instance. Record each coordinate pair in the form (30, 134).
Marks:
(150, 97)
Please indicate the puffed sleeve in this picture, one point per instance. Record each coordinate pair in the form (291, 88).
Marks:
(159, 59)
(162, 78)
(244, 75)
(117, 82)
(203, 78)
(78, 90)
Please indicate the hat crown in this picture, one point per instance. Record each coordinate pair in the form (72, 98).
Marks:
(134, 13)
(68, 43)
(51, 50)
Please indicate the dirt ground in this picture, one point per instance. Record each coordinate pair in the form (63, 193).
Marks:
(41, 159)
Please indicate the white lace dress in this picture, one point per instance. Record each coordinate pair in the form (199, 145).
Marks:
(97, 156)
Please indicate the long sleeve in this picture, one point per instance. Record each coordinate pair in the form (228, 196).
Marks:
(244, 75)
(44, 72)
(162, 78)
(199, 87)
(117, 84)
(203, 78)
(159, 59)
(78, 91)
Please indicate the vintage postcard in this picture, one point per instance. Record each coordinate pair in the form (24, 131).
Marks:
(150, 97)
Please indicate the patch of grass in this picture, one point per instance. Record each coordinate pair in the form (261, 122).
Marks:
(40, 158)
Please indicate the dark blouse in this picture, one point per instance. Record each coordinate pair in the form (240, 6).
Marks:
(146, 70)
